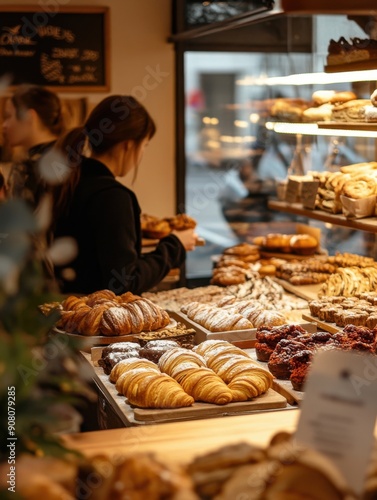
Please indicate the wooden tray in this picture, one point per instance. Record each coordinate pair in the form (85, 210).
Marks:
(136, 416)
(265, 254)
(203, 334)
(307, 292)
(328, 327)
(87, 342)
(268, 401)
(241, 338)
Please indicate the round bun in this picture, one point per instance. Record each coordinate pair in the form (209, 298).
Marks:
(343, 97)
(373, 98)
(242, 249)
(260, 241)
(303, 244)
(322, 96)
(278, 242)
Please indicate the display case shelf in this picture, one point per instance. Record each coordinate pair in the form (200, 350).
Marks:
(368, 224)
(351, 66)
(364, 126)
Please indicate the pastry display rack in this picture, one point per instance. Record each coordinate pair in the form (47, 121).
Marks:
(363, 126)
(351, 66)
(367, 224)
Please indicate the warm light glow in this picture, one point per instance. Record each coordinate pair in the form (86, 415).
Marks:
(207, 120)
(311, 78)
(213, 144)
(313, 129)
(241, 123)
(254, 118)
(237, 139)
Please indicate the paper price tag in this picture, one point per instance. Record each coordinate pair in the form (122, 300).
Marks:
(309, 191)
(339, 411)
(292, 193)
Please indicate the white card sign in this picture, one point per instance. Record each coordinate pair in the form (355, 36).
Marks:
(339, 411)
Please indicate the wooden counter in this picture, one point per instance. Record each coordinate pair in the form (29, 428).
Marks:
(181, 442)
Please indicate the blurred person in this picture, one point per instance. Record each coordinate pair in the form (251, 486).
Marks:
(103, 215)
(33, 121)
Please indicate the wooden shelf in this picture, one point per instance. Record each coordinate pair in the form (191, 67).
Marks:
(367, 224)
(365, 64)
(370, 126)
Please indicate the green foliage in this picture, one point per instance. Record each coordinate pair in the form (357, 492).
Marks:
(45, 370)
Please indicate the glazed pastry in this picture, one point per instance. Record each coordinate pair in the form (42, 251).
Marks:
(102, 313)
(190, 371)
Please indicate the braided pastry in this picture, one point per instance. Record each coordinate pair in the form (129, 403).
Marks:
(146, 387)
(189, 370)
(243, 376)
(216, 319)
(104, 313)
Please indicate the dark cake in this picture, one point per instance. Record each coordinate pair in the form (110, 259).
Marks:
(299, 366)
(109, 361)
(113, 353)
(268, 338)
(279, 360)
(120, 347)
(154, 349)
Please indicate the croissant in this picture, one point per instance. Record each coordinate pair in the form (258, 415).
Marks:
(245, 378)
(130, 364)
(188, 368)
(210, 347)
(145, 386)
(216, 319)
(104, 313)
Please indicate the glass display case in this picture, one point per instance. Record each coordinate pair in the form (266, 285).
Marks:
(238, 142)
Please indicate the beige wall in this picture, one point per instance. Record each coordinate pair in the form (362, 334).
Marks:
(138, 33)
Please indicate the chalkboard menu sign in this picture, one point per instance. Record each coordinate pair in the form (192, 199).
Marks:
(54, 46)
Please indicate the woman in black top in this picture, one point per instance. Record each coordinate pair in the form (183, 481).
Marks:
(33, 121)
(103, 215)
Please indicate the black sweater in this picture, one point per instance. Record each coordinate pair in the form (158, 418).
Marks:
(104, 219)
